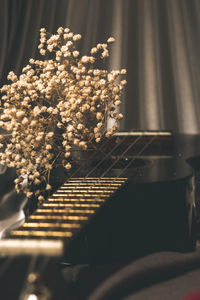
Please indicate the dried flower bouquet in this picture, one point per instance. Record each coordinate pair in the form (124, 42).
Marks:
(57, 102)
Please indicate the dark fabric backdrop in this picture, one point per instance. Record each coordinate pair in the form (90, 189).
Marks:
(157, 41)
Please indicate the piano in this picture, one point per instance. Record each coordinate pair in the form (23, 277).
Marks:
(134, 196)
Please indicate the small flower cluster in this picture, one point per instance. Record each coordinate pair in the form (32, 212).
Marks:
(57, 102)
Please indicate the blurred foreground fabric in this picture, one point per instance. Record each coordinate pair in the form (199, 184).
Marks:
(158, 276)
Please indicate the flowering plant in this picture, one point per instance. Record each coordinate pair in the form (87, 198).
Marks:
(54, 104)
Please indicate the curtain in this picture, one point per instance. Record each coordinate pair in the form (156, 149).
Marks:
(157, 41)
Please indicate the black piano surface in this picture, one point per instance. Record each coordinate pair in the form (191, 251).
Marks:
(164, 180)
(169, 163)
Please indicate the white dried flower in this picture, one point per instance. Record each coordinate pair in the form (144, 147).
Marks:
(48, 187)
(99, 116)
(117, 103)
(41, 198)
(83, 145)
(85, 59)
(68, 166)
(25, 121)
(60, 30)
(75, 53)
(67, 154)
(123, 71)
(105, 54)
(54, 104)
(111, 40)
(123, 82)
(37, 181)
(48, 147)
(50, 134)
(80, 127)
(29, 194)
(119, 116)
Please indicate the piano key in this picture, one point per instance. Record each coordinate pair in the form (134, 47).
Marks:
(80, 195)
(67, 191)
(70, 205)
(32, 247)
(75, 200)
(96, 186)
(49, 225)
(64, 210)
(86, 184)
(54, 218)
(34, 233)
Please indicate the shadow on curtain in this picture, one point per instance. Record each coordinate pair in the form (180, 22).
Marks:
(157, 41)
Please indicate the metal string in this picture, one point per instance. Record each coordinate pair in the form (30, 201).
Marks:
(116, 160)
(131, 161)
(66, 211)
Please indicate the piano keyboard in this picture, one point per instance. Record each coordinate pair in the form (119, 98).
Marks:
(59, 218)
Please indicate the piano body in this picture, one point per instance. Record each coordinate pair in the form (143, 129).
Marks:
(134, 197)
